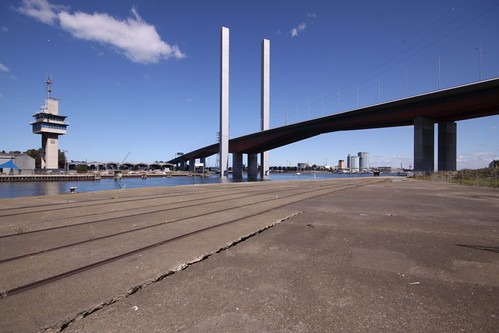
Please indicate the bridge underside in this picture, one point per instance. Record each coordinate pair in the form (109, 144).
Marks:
(443, 107)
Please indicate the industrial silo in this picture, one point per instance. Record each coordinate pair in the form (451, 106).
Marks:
(354, 163)
(363, 161)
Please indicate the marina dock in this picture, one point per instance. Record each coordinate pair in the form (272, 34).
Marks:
(64, 177)
(50, 177)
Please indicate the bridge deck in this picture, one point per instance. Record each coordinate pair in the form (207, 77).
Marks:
(454, 104)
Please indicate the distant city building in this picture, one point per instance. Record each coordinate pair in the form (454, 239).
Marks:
(50, 125)
(363, 161)
(385, 169)
(341, 164)
(494, 164)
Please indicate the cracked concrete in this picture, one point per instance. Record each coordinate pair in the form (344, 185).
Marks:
(322, 272)
(386, 257)
(57, 304)
(133, 290)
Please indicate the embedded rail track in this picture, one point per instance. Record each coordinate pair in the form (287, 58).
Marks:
(52, 244)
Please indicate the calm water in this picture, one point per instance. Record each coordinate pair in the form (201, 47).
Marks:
(15, 190)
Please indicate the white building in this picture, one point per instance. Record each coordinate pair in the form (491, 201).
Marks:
(50, 125)
(22, 161)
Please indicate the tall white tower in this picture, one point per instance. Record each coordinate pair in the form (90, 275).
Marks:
(224, 101)
(265, 104)
(50, 125)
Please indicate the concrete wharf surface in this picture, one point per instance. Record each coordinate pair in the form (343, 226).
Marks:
(349, 255)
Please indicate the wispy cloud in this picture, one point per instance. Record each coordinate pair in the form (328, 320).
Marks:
(394, 161)
(477, 159)
(295, 31)
(4, 29)
(41, 10)
(4, 68)
(133, 37)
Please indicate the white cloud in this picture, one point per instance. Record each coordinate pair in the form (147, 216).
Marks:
(133, 37)
(4, 68)
(302, 26)
(4, 29)
(475, 160)
(298, 29)
(41, 10)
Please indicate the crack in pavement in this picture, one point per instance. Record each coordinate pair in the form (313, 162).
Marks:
(66, 323)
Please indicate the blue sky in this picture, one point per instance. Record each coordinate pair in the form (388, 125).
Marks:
(143, 76)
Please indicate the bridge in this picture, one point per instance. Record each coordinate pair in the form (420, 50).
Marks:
(443, 107)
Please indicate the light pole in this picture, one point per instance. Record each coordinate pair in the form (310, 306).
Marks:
(480, 61)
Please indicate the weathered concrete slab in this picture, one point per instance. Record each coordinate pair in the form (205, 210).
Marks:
(78, 253)
(362, 255)
(391, 257)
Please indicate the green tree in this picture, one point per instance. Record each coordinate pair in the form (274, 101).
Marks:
(82, 168)
(62, 160)
(36, 154)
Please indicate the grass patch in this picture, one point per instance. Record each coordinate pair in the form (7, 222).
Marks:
(487, 177)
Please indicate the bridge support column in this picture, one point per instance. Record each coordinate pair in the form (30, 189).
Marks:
(447, 147)
(265, 104)
(203, 161)
(224, 101)
(252, 166)
(424, 150)
(182, 166)
(192, 163)
(237, 165)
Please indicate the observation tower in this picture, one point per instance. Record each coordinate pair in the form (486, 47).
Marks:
(50, 125)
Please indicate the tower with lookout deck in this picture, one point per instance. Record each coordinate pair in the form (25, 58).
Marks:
(50, 124)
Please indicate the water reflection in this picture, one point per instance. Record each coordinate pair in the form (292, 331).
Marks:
(15, 190)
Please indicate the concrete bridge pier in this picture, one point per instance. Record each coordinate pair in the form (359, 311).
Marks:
(181, 165)
(252, 166)
(424, 150)
(224, 101)
(424, 145)
(192, 163)
(237, 165)
(265, 104)
(447, 146)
